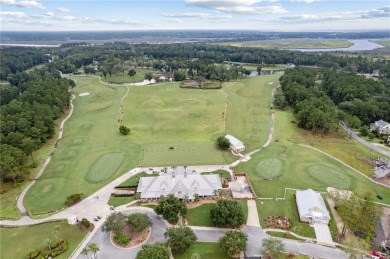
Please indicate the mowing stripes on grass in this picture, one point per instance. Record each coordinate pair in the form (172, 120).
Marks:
(205, 250)
(269, 168)
(105, 166)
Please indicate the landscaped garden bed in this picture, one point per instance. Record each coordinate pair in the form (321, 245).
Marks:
(136, 238)
(278, 222)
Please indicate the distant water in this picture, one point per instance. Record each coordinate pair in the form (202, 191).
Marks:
(358, 45)
(29, 45)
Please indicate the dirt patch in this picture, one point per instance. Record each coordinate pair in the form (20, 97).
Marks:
(385, 219)
(385, 180)
(84, 229)
(137, 238)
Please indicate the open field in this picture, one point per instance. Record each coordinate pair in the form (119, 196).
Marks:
(383, 42)
(92, 152)
(205, 250)
(302, 168)
(16, 242)
(120, 78)
(200, 216)
(293, 44)
(91, 138)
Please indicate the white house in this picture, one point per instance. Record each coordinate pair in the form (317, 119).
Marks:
(235, 144)
(381, 126)
(181, 183)
(290, 65)
(311, 207)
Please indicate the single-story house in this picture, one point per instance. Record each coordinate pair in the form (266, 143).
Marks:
(290, 65)
(235, 144)
(381, 126)
(180, 182)
(311, 207)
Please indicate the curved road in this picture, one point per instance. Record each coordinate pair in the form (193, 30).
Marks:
(351, 133)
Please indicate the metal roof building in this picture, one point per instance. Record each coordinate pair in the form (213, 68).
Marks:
(235, 144)
(311, 207)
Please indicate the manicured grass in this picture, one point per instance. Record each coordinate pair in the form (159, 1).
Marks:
(294, 44)
(16, 242)
(124, 78)
(225, 174)
(159, 117)
(286, 208)
(248, 112)
(283, 235)
(132, 181)
(118, 201)
(205, 250)
(90, 136)
(200, 216)
(304, 168)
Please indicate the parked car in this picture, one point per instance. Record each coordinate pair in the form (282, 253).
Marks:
(379, 196)
(376, 255)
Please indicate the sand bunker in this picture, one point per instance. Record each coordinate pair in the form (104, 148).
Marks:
(84, 94)
(270, 83)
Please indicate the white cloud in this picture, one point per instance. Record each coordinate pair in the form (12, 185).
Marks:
(13, 14)
(382, 12)
(197, 15)
(174, 20)
(108, 21)
(29, 4)
(49, 14)
(62, 9)
(238, 6)
(304, 1)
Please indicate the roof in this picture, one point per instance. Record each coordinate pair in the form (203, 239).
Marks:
(309, 199)
(180, 182)
(234, 141)
(381, 123)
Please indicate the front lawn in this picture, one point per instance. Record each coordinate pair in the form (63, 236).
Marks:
(118, 201)
(286, 208)
(282, 235)
(133, 181)
(200, 216)
(225, 174)
(16, 242)
(205, 250)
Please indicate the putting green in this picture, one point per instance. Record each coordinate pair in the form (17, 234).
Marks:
(269, 168)
(329, 176)
(105, 166)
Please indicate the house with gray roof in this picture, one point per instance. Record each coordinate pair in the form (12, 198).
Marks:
(235, 144)
(179, 182)
(311, 207)
(381, 126)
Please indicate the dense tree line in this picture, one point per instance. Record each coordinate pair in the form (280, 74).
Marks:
(335, 95)
(28, 120)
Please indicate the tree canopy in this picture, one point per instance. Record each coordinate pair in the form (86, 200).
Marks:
(153, 251)
(139, 221)
(227, 212)
(170, 207)
(180, 238)
(272, 247)
(114, 222)
(223, 142)
(233, 242)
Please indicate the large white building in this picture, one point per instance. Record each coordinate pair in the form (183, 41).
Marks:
(181, 183)
(311, 207)
(381, 126)
(235, 144)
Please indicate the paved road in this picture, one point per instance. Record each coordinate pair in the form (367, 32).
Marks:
(364, 142)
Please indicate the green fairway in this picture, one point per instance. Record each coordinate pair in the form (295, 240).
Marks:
(16, 242)
(92, 152)
(269, 168)
(205, 250)
(305, 168)
(200, 216)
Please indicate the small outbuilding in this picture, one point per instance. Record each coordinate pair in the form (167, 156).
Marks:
(311, 207)
(235, 144)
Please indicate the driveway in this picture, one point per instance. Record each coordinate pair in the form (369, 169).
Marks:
(323, 234)
(107, 250)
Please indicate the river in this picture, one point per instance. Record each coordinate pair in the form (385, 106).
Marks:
(358, 45)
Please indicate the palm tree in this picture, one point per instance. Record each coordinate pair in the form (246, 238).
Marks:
(94, 248)
(85, 251)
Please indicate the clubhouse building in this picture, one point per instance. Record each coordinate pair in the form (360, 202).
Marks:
(179, 182)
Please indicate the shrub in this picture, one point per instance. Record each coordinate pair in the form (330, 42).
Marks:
(124, 130)
(33, 254)
(121, 238)
(73, 198)
(85, 222)
(153, 251)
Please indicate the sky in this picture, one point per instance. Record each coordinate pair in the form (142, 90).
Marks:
(261, 15)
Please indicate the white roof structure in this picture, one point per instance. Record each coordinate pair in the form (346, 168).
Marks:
(311, 203)
(180, 182)
(235, 143)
